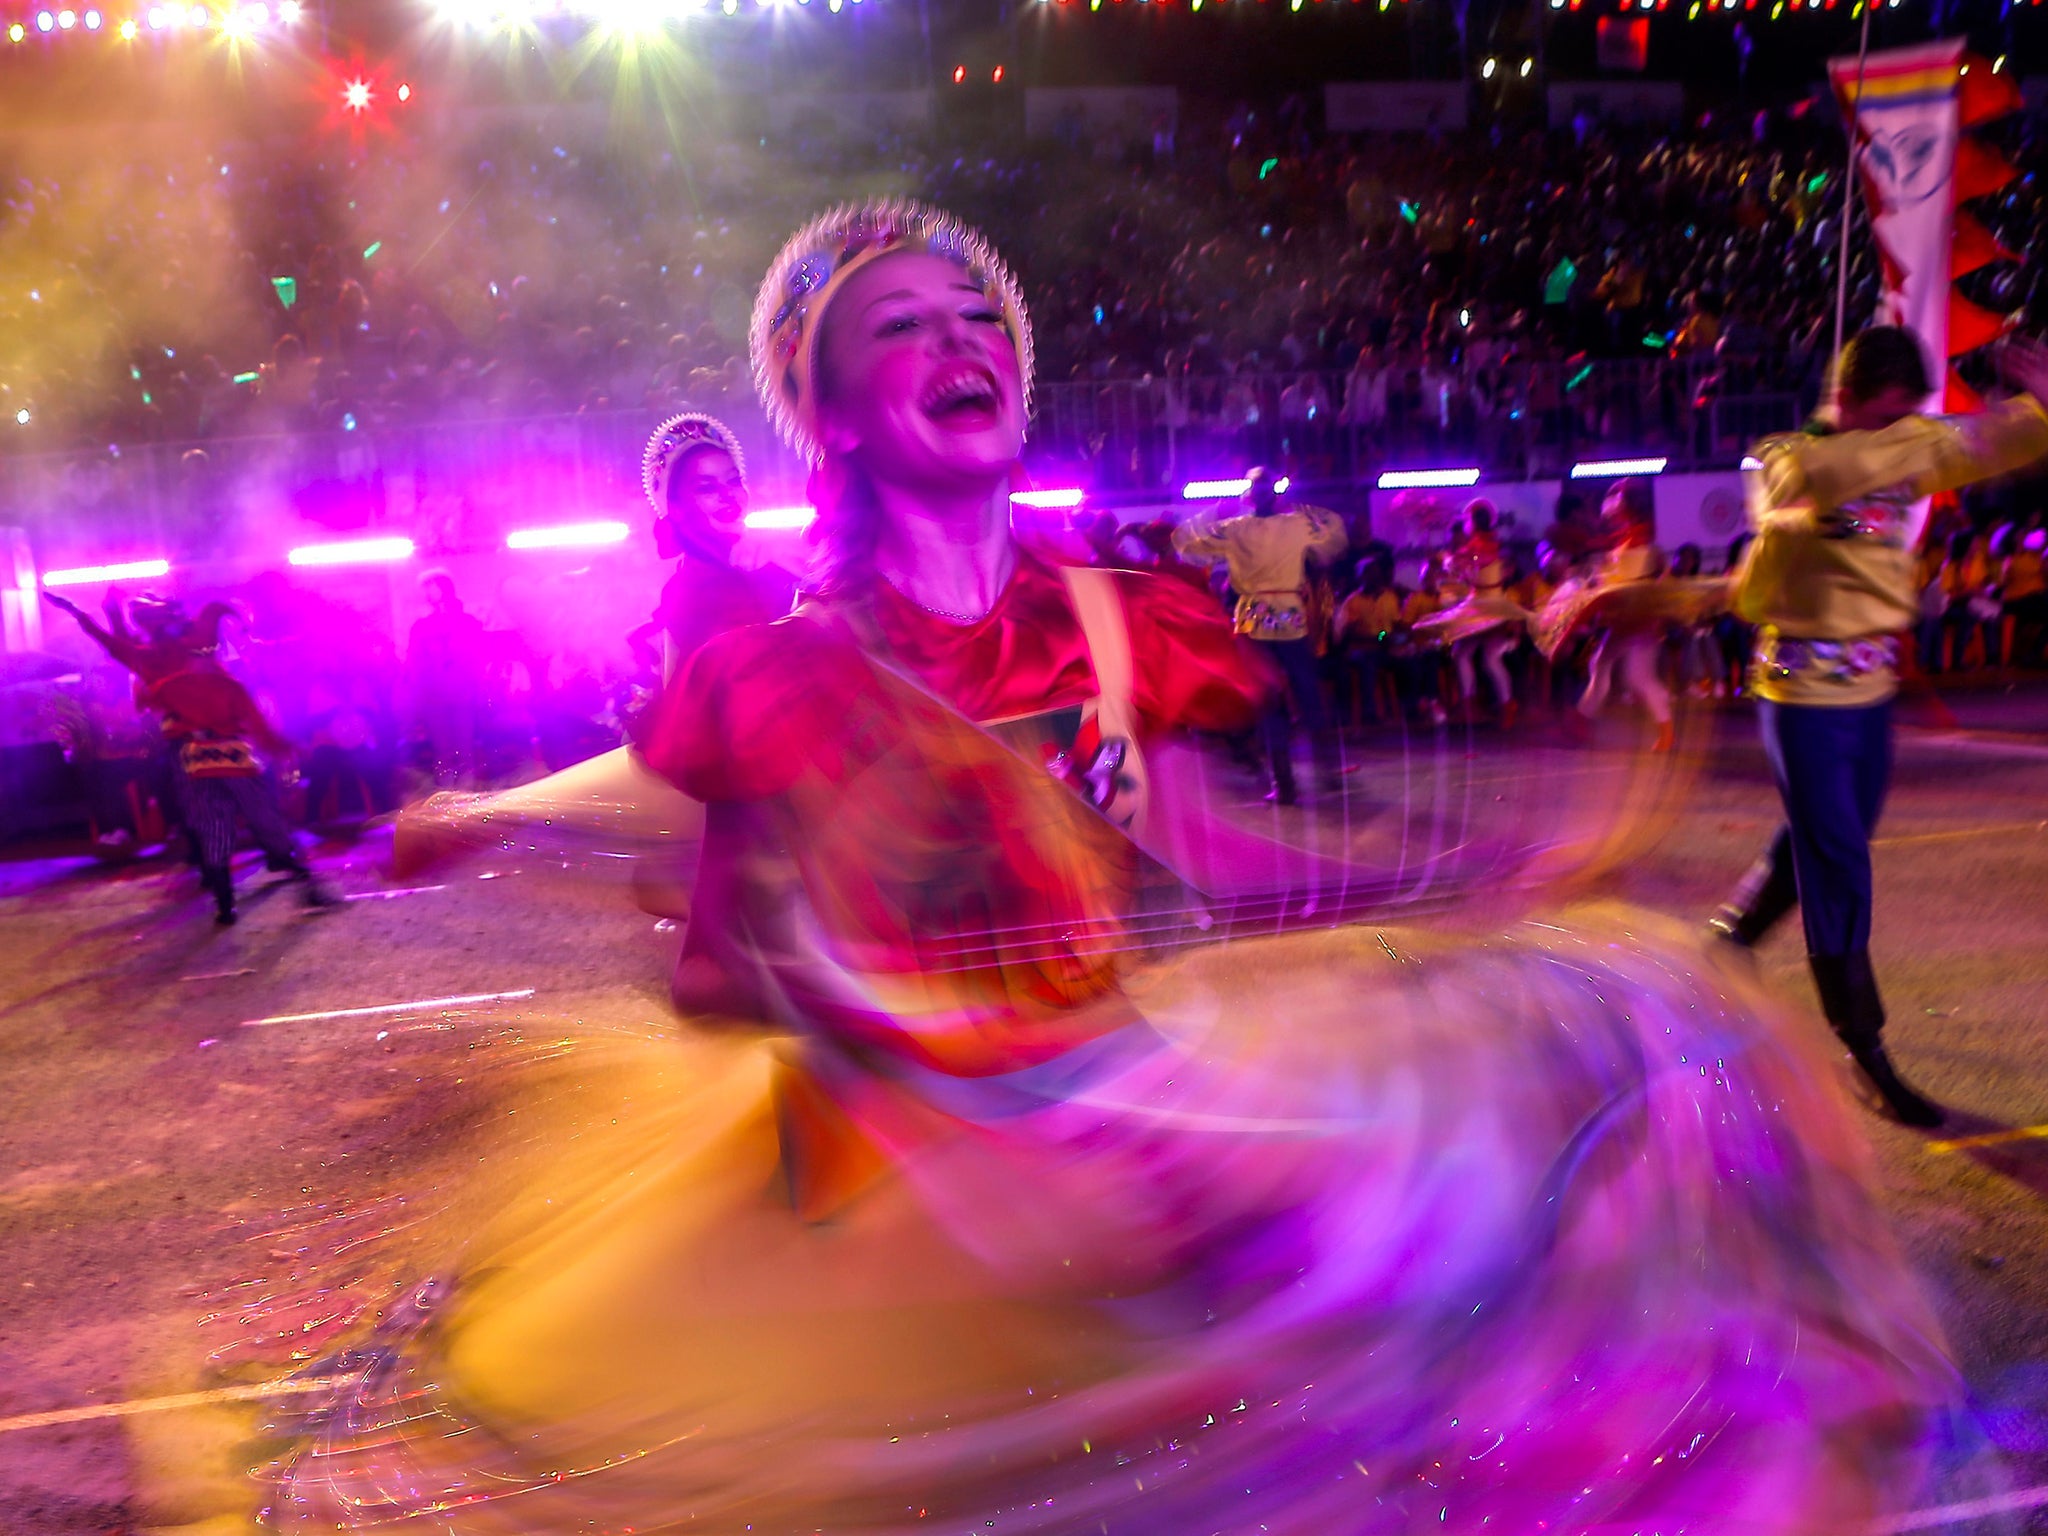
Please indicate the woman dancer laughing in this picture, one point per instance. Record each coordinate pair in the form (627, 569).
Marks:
(1353, 1231)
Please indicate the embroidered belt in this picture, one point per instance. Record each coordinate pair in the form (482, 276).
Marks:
(1837, 661)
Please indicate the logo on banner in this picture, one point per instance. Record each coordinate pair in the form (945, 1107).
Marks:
(1907, 165)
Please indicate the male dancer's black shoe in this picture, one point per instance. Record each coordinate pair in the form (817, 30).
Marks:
(220, 884)
(1849, 997)
(1768, 891)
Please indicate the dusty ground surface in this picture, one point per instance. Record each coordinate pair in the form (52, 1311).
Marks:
(159, 1139)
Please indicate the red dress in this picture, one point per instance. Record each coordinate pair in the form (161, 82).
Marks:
(760, 704)
(964, 899)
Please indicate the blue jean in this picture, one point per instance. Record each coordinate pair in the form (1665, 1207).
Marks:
(1832, 768)
(1297, 659)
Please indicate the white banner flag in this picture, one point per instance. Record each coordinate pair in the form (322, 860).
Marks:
(1907, 121)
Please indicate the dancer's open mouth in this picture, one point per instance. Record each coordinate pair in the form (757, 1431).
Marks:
(964, 396)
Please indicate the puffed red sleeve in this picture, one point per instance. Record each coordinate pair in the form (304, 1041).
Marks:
(1190, 668)
(755, 709)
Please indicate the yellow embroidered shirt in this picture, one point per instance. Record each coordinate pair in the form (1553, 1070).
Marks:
(1268, 559)
(1828, 579)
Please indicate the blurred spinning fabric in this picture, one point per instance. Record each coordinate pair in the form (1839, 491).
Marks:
(993, 1224)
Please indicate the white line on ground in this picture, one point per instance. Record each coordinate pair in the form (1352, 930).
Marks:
(288, 1387)
(1965, 1513)
(1991, 1139)
(404, 890)
(420, 1005)
(1991, 829)
(1978, 741)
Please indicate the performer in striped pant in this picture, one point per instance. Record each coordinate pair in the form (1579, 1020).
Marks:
(217, 730)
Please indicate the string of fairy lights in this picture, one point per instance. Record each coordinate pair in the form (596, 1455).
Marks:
(1693, 9)
(56, 23)
(647, 17)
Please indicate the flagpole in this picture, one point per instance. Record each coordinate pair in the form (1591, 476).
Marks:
(1849, 185)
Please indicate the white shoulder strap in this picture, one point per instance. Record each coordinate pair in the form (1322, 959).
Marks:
(1103, 629)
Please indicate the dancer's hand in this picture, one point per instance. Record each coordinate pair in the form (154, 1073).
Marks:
(63, 603)
(2025, 363)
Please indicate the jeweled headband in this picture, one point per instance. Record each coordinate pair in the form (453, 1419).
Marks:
(676, 437)
(815, 264)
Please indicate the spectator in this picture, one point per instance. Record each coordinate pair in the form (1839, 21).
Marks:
(445, 662)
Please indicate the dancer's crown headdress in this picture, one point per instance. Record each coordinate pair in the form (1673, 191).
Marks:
(676, 437)
(815, 264)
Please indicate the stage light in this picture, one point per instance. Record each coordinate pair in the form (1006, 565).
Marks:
(354, 552)
(198, 16)
(405, 93)
(16, 33)
(1066, 498)
(1426, 479)
(259, 15)
(730, 7)
(356, 96)
(1210, 490)
(288, 13)
(92, 21)
(157, 18)
(1998, 65)
(1486, 70)
(996, 78)
(567, 536)
(67, 19)
(22, 417)
(87, 575)
(1280, 486)
(1609, 469)
(45, 22)
(781, 517)
(1528, 68)
(959, 74)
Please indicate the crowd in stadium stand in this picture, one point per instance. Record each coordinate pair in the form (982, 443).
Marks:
(1400, 286)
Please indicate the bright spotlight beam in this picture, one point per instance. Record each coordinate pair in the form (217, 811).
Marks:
(567, 536)
(1420, 479)
(781, 517)
(1608, 469)
(353, 552)
(88, 575)
(1205, 490)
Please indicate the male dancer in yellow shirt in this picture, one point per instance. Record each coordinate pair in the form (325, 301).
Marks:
(1268, 550)
(1829, 581)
